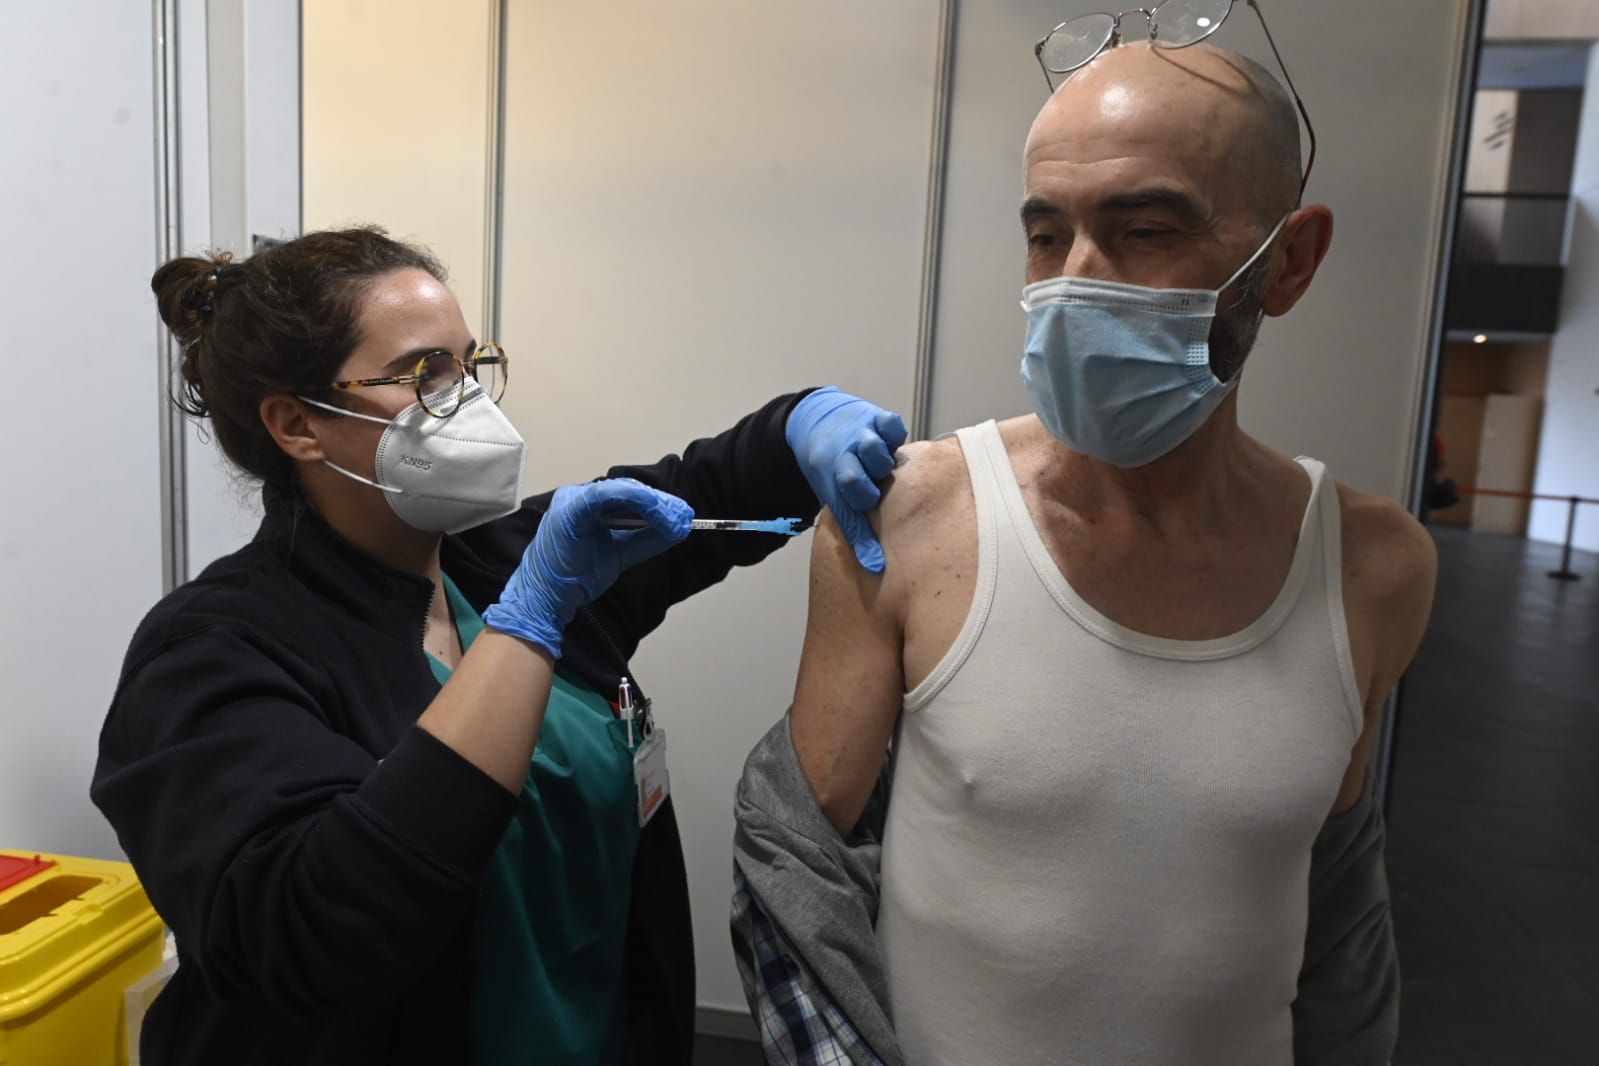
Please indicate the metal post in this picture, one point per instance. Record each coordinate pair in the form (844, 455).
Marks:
(169, 243)
(1565, 572)
(494, 172)
(933, 221)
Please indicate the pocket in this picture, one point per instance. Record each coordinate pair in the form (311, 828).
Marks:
(618, 733)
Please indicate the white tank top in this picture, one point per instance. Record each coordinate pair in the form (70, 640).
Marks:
(1098, 843)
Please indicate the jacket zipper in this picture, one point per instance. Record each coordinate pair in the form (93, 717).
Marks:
(615, 649)
(422, 634)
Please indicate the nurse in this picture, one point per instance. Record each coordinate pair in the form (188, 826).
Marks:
(370, 767)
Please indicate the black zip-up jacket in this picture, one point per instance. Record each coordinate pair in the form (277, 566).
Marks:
(317, 855)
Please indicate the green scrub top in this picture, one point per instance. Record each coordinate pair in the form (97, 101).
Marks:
(551, 930)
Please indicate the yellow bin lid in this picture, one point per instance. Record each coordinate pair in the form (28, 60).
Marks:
(63, 923)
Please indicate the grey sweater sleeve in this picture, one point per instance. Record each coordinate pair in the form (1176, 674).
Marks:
(1347, 1009)
(820, 891)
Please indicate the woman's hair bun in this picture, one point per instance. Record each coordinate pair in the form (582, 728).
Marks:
(185, 293)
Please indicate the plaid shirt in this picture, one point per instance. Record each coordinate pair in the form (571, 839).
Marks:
(799, 1024)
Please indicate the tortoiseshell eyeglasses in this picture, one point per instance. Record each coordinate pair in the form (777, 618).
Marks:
(440, 378)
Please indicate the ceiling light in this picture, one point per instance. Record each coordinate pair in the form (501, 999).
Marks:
(1481, 338)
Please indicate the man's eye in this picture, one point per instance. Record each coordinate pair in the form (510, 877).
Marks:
(1041, 240)
(1146, 234)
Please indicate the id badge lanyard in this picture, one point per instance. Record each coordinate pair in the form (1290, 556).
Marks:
(648, 745)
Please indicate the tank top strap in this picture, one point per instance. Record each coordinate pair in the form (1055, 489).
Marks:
(1324, 498)
(977, 444)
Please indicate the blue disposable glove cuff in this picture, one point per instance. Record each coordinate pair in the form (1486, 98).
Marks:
(532, 628)
(811, 408)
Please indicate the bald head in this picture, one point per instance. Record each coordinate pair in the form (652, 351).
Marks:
(1219, 113)
(1167, 168)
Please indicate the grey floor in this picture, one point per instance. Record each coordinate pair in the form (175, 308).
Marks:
(1493, 849)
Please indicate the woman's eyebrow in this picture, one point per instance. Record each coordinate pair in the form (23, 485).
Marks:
(408, 360)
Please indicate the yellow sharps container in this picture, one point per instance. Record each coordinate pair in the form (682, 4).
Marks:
(74, 934)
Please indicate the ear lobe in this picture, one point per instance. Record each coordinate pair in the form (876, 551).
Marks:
(1305, 241)
(286, 420)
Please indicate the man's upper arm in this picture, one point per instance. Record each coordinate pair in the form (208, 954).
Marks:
(851, 682)
(1391, 567)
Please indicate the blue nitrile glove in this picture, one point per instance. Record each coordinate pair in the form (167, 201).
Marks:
(574, 558)
(845, 445)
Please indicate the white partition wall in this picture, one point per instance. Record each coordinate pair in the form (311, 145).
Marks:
(238, 126)
(80, 525)
(708, 204)
(1341, 377)
(396, 120)
(81, 538)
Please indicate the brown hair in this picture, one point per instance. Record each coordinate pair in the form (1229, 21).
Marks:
(282, 321)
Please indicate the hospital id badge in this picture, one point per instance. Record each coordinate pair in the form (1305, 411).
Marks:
(649, 774)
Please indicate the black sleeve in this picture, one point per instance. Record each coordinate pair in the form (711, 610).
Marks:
(1346, 1012)
(290, 863)
(747, 471)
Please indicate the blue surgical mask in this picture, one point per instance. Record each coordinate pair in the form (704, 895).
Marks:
(1122, 372)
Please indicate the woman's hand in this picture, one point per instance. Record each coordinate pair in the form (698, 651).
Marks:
(845, 445)
(574, 557)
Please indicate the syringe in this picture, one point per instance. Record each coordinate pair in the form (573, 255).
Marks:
(786, 527)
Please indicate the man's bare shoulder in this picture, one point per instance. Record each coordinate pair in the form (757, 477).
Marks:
(932, 478)
(1385, 542)
(927, 524)
(928, 471)
(915, 507)
(1389, 560)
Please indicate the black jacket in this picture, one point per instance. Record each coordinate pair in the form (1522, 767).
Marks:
(316, 854)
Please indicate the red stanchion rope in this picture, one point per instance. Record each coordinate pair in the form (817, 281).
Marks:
(1508, 494)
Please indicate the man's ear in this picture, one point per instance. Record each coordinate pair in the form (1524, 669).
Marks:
(286, 419)
(1305, 239)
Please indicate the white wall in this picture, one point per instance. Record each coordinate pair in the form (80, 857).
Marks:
(1568, 451)
(396, 123)
(239, 137)
(1520, 20)
(1339, 378)
(80, 531)
(704, 207)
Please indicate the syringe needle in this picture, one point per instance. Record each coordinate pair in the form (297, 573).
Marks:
(786, 527)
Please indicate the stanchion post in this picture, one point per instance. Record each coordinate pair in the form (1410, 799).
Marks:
(1565, 572)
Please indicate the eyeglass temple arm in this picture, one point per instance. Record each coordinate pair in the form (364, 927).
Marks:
(1310, 160)
(1038, 54)
(372, 383)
